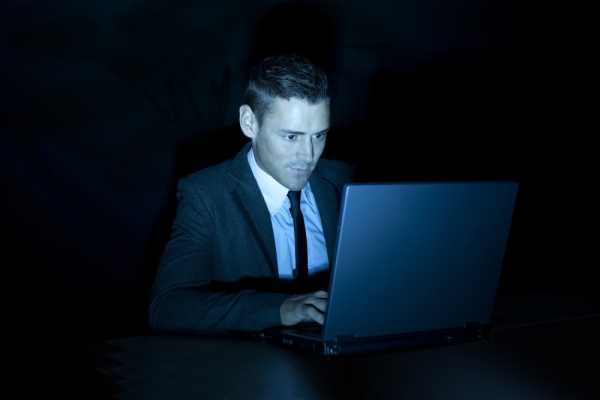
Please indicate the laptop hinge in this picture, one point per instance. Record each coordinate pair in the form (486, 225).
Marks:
(473, 325)
(479, 328)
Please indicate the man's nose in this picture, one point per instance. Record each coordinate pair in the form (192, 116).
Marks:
(305, 151)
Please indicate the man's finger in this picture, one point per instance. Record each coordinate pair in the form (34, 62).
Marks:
(315, 315)
(321, 294)
(319, 304)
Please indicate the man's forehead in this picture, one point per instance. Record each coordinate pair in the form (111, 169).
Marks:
(298, 115)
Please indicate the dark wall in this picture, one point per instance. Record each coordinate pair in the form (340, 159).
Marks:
(105, 106)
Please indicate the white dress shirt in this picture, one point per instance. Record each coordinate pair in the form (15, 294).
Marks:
(275, 196)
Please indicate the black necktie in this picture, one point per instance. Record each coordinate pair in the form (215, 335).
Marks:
(301, 271)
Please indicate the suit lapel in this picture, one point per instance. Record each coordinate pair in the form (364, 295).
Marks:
(250, 201)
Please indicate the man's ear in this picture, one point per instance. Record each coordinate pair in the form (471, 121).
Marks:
(248, 121)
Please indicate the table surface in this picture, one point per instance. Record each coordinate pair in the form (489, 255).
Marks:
(543, 347)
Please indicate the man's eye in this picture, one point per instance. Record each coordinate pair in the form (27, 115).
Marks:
(290, 137)
(320, 136)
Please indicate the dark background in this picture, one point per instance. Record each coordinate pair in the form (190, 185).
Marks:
(105, 106)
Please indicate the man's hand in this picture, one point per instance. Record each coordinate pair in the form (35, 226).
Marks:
(304, 308)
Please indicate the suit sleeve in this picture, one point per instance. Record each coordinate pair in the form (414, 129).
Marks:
(182, 298)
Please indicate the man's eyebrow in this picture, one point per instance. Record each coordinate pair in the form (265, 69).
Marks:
(291, 132)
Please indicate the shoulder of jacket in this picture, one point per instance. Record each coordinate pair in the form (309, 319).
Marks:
(208, 180)
(337, 171)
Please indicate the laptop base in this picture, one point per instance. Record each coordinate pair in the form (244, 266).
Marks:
(290, 337)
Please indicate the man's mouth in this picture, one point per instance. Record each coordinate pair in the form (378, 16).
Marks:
(300, 171)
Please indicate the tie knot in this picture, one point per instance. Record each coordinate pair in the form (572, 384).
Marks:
(294, 196)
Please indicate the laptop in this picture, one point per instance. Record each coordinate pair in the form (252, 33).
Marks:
(415, 264)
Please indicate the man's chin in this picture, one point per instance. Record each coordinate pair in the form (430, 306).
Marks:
(296, 184)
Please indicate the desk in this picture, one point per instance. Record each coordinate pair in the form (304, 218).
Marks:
(537, 360)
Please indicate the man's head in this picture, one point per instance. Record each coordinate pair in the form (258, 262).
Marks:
(283, 77)
(286, 116)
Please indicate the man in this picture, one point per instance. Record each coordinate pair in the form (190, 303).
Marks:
(230, 263)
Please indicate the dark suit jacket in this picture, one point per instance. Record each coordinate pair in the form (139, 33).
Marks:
(219, 269)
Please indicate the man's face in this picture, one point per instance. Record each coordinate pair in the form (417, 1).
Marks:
(290, 141)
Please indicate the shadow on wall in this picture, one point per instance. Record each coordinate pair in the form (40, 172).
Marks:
(308, 30)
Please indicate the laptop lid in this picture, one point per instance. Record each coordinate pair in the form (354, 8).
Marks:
(414, 257)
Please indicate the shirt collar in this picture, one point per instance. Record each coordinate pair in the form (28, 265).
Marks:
(273, 192)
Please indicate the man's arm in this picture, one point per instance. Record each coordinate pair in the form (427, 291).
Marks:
(184, 299)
